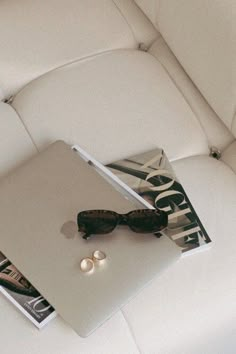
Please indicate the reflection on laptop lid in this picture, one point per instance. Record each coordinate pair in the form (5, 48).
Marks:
(37, 201)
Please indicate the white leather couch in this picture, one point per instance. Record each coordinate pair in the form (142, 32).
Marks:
(121, 77)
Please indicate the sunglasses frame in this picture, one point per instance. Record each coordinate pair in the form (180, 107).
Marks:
(121, 219)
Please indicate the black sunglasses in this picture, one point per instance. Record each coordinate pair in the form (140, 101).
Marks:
(105, 221)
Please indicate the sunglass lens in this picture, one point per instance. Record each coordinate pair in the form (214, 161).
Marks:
(96, 221)
(147, 221)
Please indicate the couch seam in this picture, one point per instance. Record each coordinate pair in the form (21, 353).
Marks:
(222, 158)
(156, 28)
(26, 128)
(229, 167)
(138, 7)
(199, 92)
(182, 94)
(157, 17)
(125, 19)
(233, 121)
(74, 61)
(131, 330)
(158, 7)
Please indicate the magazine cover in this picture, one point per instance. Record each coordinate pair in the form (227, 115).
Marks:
(3, 259)
(152, 177)
(23, 295)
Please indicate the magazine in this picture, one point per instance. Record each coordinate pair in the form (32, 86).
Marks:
(148, 180)
(23, 295)
(3, 259)
(152, 177)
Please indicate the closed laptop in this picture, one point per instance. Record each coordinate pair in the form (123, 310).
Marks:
(39, 203)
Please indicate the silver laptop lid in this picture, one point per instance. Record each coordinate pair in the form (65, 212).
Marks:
(38, 201)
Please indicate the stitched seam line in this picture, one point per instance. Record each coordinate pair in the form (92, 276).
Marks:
(74, 61)
(26, 129)
(234, 119)
(185, 98)
(222, 158)
(125, 19)
(157, 19)
(183, 95)
(229, 167)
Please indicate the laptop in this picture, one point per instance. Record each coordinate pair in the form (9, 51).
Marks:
(39, 202)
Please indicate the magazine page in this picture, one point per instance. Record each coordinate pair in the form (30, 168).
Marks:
(23, 295)
(152, 177)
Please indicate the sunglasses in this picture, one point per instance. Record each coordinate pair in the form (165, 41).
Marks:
(105, 221)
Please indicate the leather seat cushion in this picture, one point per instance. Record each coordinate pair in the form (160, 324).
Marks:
(16, 145)
(229, 156)
(138, 107)
(193, 302)
(217, 133)
(200, 34)
(113, 105)
(58, 338)
(38, 36)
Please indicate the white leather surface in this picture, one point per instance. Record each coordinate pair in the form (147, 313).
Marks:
(150, 8)
(38, 36)
(200, 35)
(123, 103)
(217, 133)
(234, 125)
(191, 309)
(229, 156)
(113, 105)
(15, 143)
(18, 335)
(1, 94)
(142, 28)
(192, 302)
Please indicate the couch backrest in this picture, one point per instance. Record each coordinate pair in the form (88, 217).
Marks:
(200, 34)
(39, 36)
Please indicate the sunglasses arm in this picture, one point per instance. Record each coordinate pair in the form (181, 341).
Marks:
(160, 233)
(86, 236)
